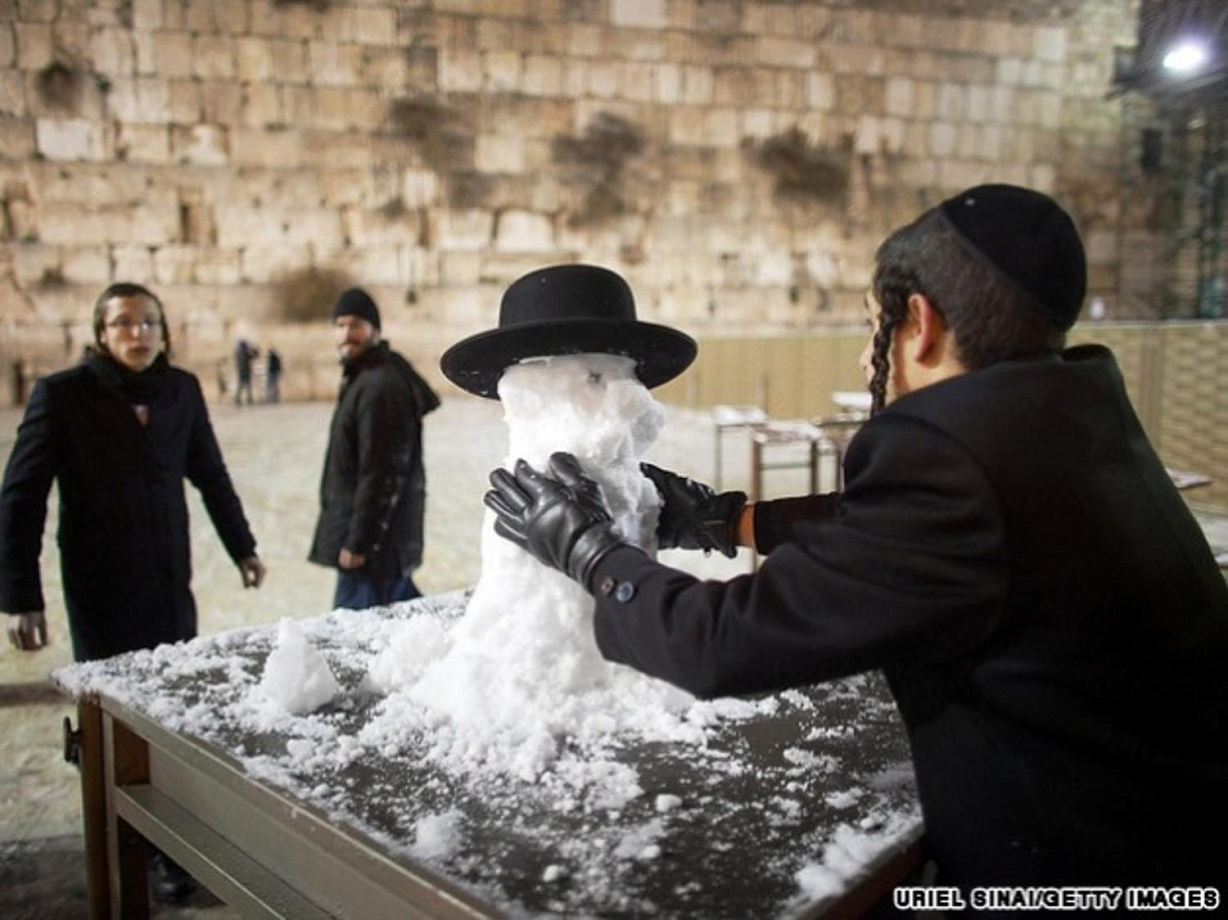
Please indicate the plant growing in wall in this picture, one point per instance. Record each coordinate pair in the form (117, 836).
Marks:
(436, 131)
(443, 140)
(598, 159)
(59, 86)
(801, 171)
(307, 295)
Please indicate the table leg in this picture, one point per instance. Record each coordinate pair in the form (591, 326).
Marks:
(125, 761)
(94, 809)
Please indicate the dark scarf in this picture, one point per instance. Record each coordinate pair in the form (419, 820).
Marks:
(138, 388)
(424, 397)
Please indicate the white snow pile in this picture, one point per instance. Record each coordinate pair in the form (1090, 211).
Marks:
(518, 679)
(296, 676)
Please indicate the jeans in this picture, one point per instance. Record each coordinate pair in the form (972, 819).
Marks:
(357, 593)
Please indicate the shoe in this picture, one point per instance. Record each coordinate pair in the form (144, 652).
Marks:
(170, 883)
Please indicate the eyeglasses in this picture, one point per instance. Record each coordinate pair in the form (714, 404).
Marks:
(127, 324)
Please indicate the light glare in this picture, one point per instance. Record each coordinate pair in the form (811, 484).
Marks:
(1186, 58)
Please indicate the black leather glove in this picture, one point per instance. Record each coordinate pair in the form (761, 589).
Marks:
(693, 516)
(562, 522)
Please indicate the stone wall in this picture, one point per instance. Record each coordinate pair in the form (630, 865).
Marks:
(738, 161)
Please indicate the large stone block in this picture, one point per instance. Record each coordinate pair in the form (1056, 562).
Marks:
(240, 225)
(698, 85)
(459, 70)
(501, 70)
(469, 230)
(213, 56)
(200, 145)
(721, 128)
(334, 149)
(543, 75)
(254, 59)
(604, 78)
(34, 46)
(221, 101)
(370, 265)
(262, 106)
(640, 14)
(147, 14)
(216, 266)
(368, 25)
(140, 99)
(12, 93)
(286, 20)
(134, 263)
(71, 139)
(364, 228)
(500, 153)
(142, 143)
(524, 231)
(635, 45)
(183, 101)
(786, 52)
(278, 149)
(173, 54)
(261, 264)
(1049, 44)
(334, 64)
(8, 45)
(319, 227)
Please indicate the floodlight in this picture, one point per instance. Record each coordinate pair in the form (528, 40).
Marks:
(1185, 58)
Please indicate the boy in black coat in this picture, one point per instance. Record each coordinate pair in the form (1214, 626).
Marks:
(1008, 549)
(119, 432)
(373, 489)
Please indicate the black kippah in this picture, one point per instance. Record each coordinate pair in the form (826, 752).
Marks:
(1026, 237)
(357, 302)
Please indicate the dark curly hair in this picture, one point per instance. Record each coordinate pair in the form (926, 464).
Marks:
(990, 318)
(126, 289)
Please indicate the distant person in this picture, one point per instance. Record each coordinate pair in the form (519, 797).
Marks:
(119, 433)
(272, 377)
(373, 490)
(245, 354)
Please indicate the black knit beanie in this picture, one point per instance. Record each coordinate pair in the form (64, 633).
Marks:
(357, 302)
(1027, 238)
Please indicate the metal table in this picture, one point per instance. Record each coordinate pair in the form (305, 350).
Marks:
(786, 786)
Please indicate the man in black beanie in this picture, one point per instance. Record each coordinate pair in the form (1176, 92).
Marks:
(373, 491)
(1008, 549)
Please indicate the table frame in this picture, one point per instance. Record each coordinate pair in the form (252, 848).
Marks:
(268, 855)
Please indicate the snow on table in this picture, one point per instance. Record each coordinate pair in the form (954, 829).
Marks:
(765, 809)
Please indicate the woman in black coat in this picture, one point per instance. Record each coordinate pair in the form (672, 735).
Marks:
(119, 432)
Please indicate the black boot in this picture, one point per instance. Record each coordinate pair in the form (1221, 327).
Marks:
(169, 881)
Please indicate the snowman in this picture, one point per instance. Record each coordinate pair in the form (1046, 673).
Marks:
(572, 367)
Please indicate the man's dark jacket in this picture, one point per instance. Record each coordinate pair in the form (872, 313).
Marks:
(1011, 552)
(373, 491)
(123, 518)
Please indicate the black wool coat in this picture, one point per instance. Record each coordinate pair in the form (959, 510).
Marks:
(373, 489)
(1010, 551)
(123, 519)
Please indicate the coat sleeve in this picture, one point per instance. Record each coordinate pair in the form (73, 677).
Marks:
(389, 438)
(911, 569)
(33, 464)
(774, 520)
(206, 470)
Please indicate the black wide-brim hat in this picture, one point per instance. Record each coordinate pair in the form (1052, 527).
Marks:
(567, 310)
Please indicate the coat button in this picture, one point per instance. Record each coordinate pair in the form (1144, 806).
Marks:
(624, 592)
